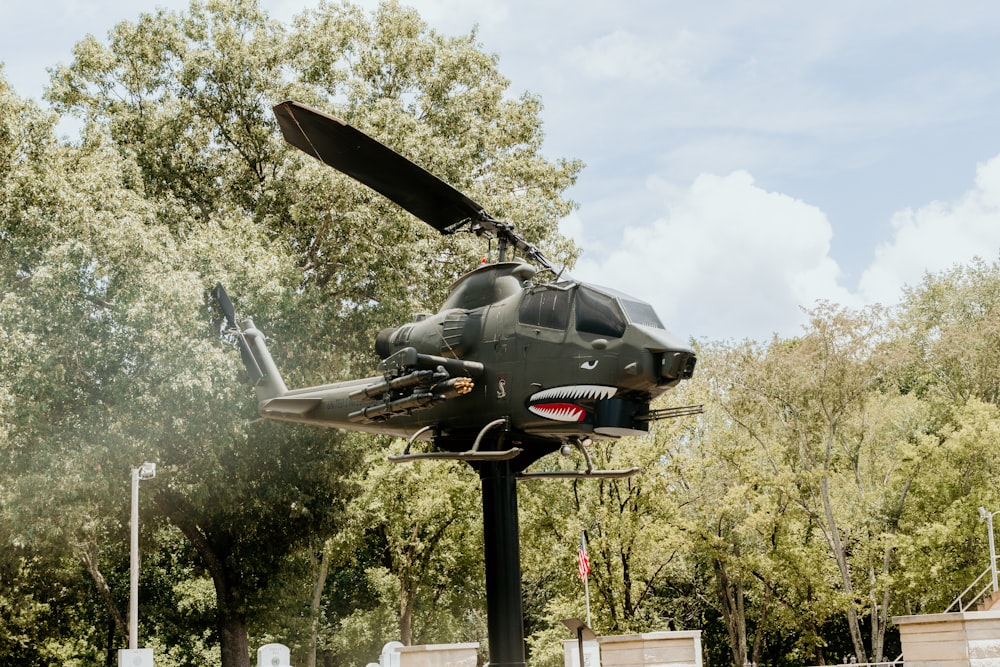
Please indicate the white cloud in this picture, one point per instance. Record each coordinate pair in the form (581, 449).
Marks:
(722, 152)
(937, 236)
(622, 54)
(729, 260)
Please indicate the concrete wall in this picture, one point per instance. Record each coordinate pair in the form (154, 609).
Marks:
(438, 655)
(652, 649)
(969, 639)
(591, 653)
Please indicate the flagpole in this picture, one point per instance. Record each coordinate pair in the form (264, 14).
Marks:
(583, 567)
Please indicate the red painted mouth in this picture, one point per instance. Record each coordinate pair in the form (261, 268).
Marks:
(560, 412)
(555, 403)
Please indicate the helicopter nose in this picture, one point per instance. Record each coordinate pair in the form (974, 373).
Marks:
(677, 365)
(673, 361)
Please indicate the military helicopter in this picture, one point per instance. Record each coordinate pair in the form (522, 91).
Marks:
(510, 362)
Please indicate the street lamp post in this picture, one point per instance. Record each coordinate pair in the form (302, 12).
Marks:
(983, 514)
(145, 471)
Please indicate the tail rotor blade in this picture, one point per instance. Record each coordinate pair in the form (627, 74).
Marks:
(225, 305)
(254, 371)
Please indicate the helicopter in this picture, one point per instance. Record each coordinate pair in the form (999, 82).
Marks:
(509, 364)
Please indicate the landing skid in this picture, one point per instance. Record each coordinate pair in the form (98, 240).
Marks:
(589, 473)
(585, 474)
(504, 455)
(473, 454)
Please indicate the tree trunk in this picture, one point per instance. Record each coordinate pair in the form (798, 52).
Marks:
(89, 560)
(880, 614)
(109, 658)
(731, 599)
(314, 607)
(233, 639)
(840, 555)
(628, 611)
(758, 635)
(230, 619)
(406, 597)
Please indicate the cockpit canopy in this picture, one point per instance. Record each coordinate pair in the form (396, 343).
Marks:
(599, 311)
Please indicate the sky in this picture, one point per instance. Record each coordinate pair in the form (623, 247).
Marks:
(744, 161)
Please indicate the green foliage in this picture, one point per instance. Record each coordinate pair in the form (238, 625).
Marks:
(110, 245)
(188, 96)
(413, 534)
(943, 546)
(949, 334)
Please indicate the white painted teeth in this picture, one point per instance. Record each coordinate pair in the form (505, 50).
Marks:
(575, 392)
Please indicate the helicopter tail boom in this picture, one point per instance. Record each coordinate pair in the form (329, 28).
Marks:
(270, 385)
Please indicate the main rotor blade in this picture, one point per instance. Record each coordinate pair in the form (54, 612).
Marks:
(351, 151)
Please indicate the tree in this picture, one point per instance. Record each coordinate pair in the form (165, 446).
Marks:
(46, 367)
(949, 333)
(943, 542)
(415, 531)
(180, 179)
(822, 411)
(188, 95)
(946, 332)
(111, 362)
(746, 561)
(728, 525)
(641, 574)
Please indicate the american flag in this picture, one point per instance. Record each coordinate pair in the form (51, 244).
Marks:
(582, 562)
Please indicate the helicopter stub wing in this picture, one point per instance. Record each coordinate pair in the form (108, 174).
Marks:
(349, 150)
(289, 406)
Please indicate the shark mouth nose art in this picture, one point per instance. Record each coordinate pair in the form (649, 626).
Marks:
(564, 403)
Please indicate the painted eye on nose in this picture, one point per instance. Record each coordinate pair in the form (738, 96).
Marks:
(589, 365)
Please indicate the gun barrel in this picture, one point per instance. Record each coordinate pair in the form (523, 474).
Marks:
(401, 382)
